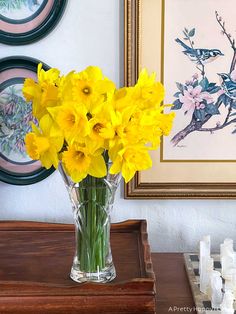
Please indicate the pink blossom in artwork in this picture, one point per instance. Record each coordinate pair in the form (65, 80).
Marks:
(193, 98)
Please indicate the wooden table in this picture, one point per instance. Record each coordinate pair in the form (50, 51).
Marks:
(48, 259)
(173, 289)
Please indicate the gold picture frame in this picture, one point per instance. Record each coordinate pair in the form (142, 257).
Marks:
(143, 24)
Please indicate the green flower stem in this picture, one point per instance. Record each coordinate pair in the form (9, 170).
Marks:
(93, 236)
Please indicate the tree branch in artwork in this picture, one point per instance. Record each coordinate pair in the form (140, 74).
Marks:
(228, 35)
(200, 98)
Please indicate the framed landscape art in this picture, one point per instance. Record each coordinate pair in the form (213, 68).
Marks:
(191, 46)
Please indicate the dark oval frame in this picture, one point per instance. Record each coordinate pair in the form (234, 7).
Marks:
(22, 62)
(38, 32)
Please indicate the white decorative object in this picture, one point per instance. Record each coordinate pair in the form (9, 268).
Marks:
(216, 289)
(227, 304)
(227, 256)
(222, 295)
(204, 263)
(204, 248)
(207, 276)
(229, 243)
(226, 247)
(230, 281)
(227, 263)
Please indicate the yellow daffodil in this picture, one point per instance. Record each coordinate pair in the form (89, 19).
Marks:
(128, 160)
(166, 122)
(72, 120)
(101, 128)
(80, 160)
(125, 126)
(91, 88)
(31, 90)
(44, 93)
(42, 145)
(65, 87)
(122, 99)
(50, 76)
(148, 93)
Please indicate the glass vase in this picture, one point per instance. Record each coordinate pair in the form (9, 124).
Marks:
(92, 201)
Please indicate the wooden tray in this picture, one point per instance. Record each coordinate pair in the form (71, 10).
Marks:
(35, 262)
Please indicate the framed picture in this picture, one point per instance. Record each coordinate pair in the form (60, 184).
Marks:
(26, 21)
(191, 46)
(15, 117)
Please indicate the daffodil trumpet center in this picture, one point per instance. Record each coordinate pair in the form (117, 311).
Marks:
(97, 127)
(87, 90)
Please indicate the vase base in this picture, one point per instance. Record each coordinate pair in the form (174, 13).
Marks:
(105, 275)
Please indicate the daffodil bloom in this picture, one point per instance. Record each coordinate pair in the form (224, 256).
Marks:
(72, 120)
(126, 127)
(65, 87)
(42, 145)
(129, 159)
(80, 160)
(122, 99)
(129, 133)
(166, 122)
(44, 93)
(50, 76)
(101, 128)
(148, 93)
(31, 90)
(154, 124)
(91, 88)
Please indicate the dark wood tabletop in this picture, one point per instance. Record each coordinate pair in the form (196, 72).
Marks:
(35, 260)
(173, 289)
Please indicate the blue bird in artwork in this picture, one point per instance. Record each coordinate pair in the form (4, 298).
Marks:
(199, 56)
(228, 85)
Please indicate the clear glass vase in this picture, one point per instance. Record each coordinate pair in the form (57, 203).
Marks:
(92, 201)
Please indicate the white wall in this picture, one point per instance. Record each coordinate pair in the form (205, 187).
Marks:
(90, 33)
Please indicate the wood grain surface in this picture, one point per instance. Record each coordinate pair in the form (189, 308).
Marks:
(35, 262)
(172, 287)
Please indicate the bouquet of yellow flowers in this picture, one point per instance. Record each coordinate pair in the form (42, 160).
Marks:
(93, 132)
(84, 121)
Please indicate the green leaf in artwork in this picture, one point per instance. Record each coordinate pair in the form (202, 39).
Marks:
(177, 104)
(200, 114)
(180, 87)
(186, 30)
(204, 83)
(177, 94)
(192, 32)
(211, 109)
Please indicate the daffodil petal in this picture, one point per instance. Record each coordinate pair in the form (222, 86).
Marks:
(97, 167)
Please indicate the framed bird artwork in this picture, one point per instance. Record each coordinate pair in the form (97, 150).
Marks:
(191, 46)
